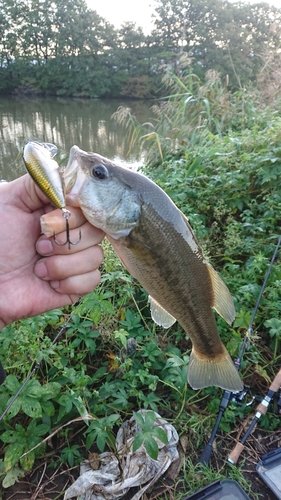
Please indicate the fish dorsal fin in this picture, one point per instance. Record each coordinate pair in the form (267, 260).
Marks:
(159, 315)
(223, 302)
(190, 238)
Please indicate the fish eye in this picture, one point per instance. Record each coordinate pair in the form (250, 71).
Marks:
(100, 172)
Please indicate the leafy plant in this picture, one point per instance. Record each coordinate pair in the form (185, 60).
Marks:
(21, 441)
(147, 434)
(100, 431)
(71, 455)
(274, 326)
(112, 360)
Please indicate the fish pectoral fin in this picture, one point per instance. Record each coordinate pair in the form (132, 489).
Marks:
(223, 302)
(219, 371)
(159, 315)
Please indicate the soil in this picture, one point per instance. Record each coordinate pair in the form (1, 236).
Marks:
(45, 483)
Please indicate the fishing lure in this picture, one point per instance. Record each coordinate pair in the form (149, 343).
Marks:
(45, 171)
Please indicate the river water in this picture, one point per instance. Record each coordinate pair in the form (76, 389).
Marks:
(64, 122)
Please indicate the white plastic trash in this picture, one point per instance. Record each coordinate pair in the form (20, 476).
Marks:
(119, 472)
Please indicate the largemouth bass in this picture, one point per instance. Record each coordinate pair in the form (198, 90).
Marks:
(156, 244)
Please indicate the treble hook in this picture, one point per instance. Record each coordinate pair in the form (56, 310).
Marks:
(66, 213)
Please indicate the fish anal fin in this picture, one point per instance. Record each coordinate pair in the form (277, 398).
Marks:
(223, 302)
(218, 371)
(159, 315)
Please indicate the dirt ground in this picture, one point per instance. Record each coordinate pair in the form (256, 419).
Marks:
(49, 484)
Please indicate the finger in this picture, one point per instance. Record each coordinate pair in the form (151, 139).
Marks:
(54, 222)
(90, 236)
(60, 267)
(77, 285)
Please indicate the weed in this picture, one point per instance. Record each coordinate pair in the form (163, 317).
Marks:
(217, 155)
(147, 434)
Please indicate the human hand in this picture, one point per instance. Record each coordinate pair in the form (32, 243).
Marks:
(36, 275)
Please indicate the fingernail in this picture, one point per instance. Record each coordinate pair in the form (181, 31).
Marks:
(41, 270)
(44, 247)
(55, 284)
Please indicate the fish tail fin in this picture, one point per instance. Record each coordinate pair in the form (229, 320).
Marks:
(219, 371)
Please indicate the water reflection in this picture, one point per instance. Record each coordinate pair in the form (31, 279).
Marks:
(64, 122)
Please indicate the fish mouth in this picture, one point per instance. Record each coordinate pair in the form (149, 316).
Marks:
(74, 176)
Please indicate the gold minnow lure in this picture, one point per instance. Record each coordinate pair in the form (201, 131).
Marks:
(46, 173)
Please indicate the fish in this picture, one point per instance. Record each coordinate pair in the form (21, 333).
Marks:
(155, 243)
(45, 171)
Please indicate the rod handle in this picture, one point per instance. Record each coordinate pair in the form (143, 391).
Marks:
(206, 454)
(276, 384)
(262, 409)
(235, 454)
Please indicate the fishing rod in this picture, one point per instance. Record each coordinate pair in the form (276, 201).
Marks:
(261, 410)
(227, 396)
(234, 396)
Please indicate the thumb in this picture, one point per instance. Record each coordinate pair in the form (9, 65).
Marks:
(27, 195)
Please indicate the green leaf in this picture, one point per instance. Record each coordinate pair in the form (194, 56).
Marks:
(15, 408)
(111, 420)
(48, 408)
(12, 477)
(121, 398)
(151, 447)
(33, 389)
(95, 314)
(139, 419)
(160, 434)
(138, 441)
(50, 390)
(101, 441)
(12, 384)
(91, 345)
(28, 460)
(191, 169)
(31, 407)
(90, 439)
(9, 436)
(13, 453)
(38, 430)
(121, 335)
(150, 418)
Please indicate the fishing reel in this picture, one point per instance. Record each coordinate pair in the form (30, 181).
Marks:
(240, 397)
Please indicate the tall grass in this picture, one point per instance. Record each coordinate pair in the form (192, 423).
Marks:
(190, 114)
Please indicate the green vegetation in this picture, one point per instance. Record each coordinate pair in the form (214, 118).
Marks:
(218, 156)
(64, 48)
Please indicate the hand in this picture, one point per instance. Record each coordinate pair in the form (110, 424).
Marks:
(36, 275)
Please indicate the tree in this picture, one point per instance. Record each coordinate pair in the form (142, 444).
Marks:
(217, 34)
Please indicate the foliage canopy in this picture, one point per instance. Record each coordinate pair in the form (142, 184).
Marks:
(65, 48)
